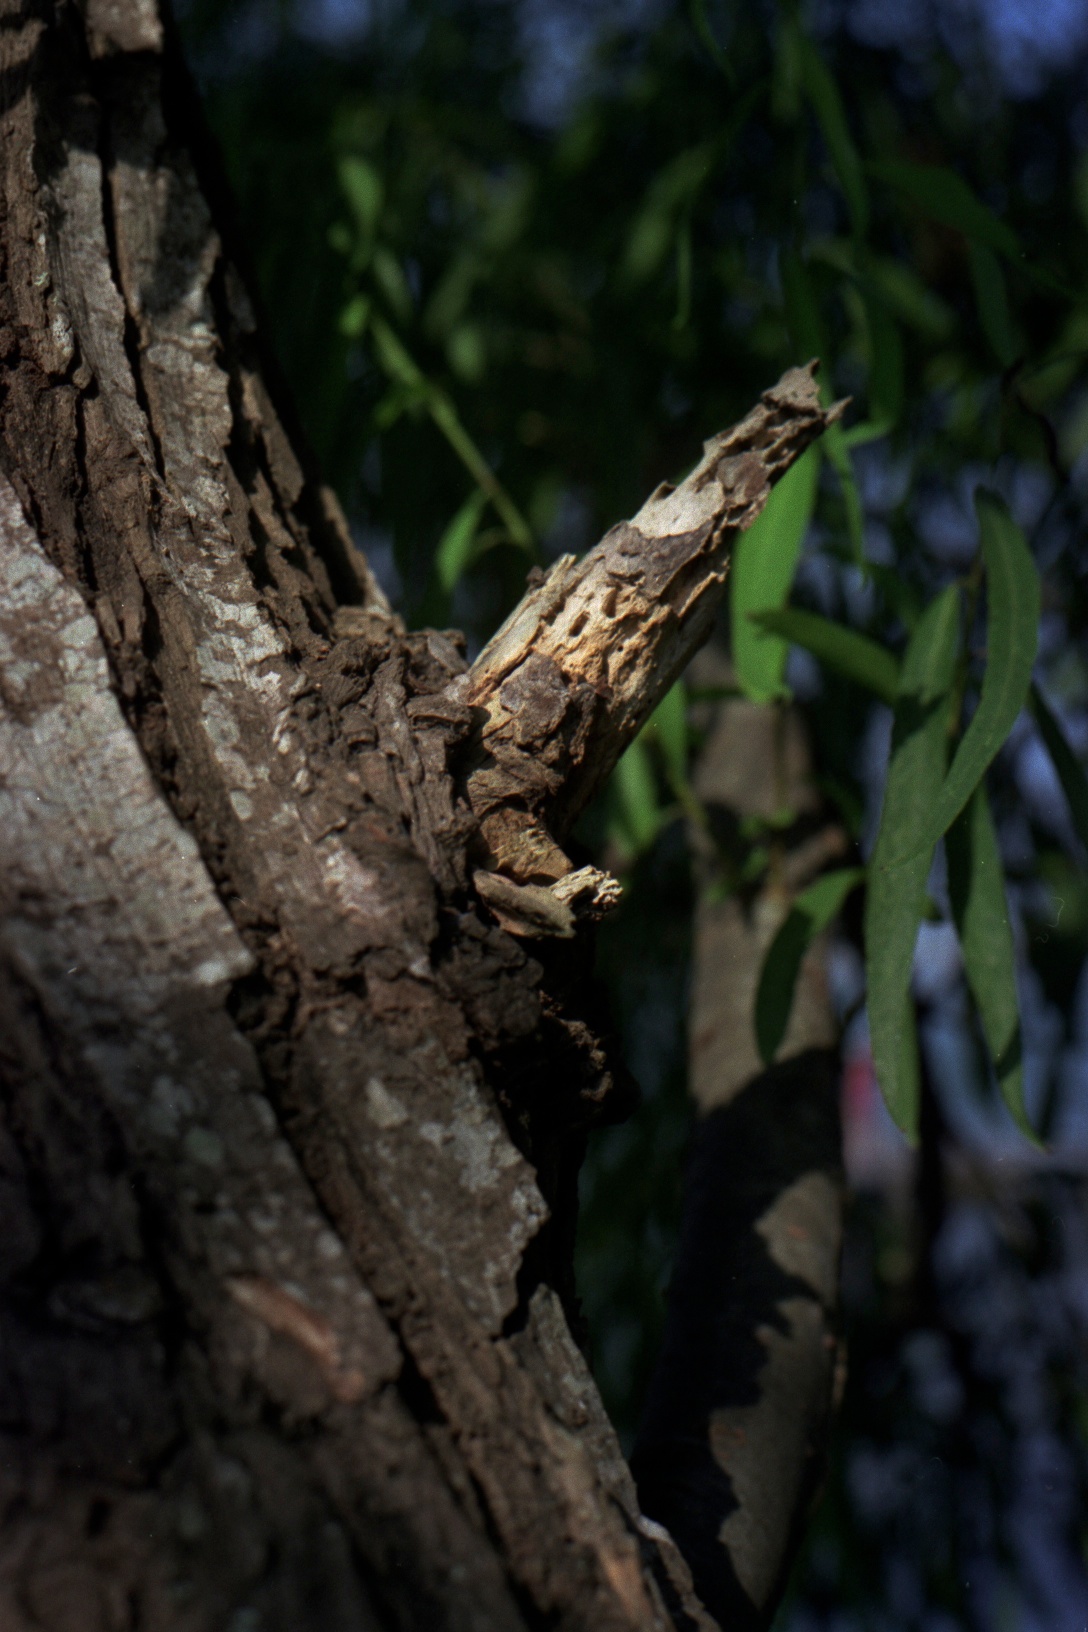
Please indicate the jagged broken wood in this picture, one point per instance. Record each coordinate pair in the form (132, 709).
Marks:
(576, 670)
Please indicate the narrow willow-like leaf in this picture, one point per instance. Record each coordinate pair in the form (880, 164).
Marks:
(389, 276)
(670, 192)
(669, 723)
(809, 916)
(809, 338)
(635, 794)
(902, 598)
(1068, 766)
(886, 362)
(992, 300)
(803, 317)
(849, 653)
(701, 24)
(1012, 608)
(823, 93)
(946, 197)
(910, 298)
(364, 189)
(449, 423)
(976, 888)
(402, 368)
(395, 359)
(896, 892)
(764, 562)
(838, 457)
(786, 89)
(456, 546)
(866, 430)
(354, 317)
(675, 188)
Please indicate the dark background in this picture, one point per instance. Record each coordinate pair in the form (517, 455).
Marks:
(567, 241)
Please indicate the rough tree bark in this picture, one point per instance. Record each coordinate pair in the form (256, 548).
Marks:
(295, 1077)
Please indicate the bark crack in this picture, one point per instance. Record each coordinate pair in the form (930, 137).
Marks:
(130, 332)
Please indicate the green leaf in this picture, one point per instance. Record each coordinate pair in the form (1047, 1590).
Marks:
(809, 916)
(866, 430)
(992, 300)
(803, 317)
(509, 208)
(364, 190)
(838, 457)
(355, 316)
(457, 544)
(809, 338)
(885, 362)
(636, 796)
(673, 192)
(449, 423)
(701, 24)
(786, 90)
(683, 273)
(976, 888)
(1012, 600)
(395, 360)
(901, 597)
(398, 400)
(669, 723)
(452, 293)
(466, 352)
(844, 650)
(823, 93)
(389, 276)
(944, 196)
(340, 238)
(911, 299)
(1068, 766)
(670, 192)
(896, 894)
(416, 388)
(764, 561)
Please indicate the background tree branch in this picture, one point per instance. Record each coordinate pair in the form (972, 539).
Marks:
(733, 1439)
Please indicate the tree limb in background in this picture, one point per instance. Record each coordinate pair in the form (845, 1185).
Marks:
(289, 1133)
(735, 1430)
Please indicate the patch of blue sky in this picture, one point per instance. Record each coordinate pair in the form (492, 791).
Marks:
(1023, 41)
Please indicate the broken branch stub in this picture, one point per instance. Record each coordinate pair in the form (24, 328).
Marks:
(577, 669)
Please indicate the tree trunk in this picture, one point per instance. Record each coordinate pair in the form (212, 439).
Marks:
(295, 1079)
(734, 1437)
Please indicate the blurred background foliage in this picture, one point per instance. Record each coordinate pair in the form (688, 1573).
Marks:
(518, 259)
